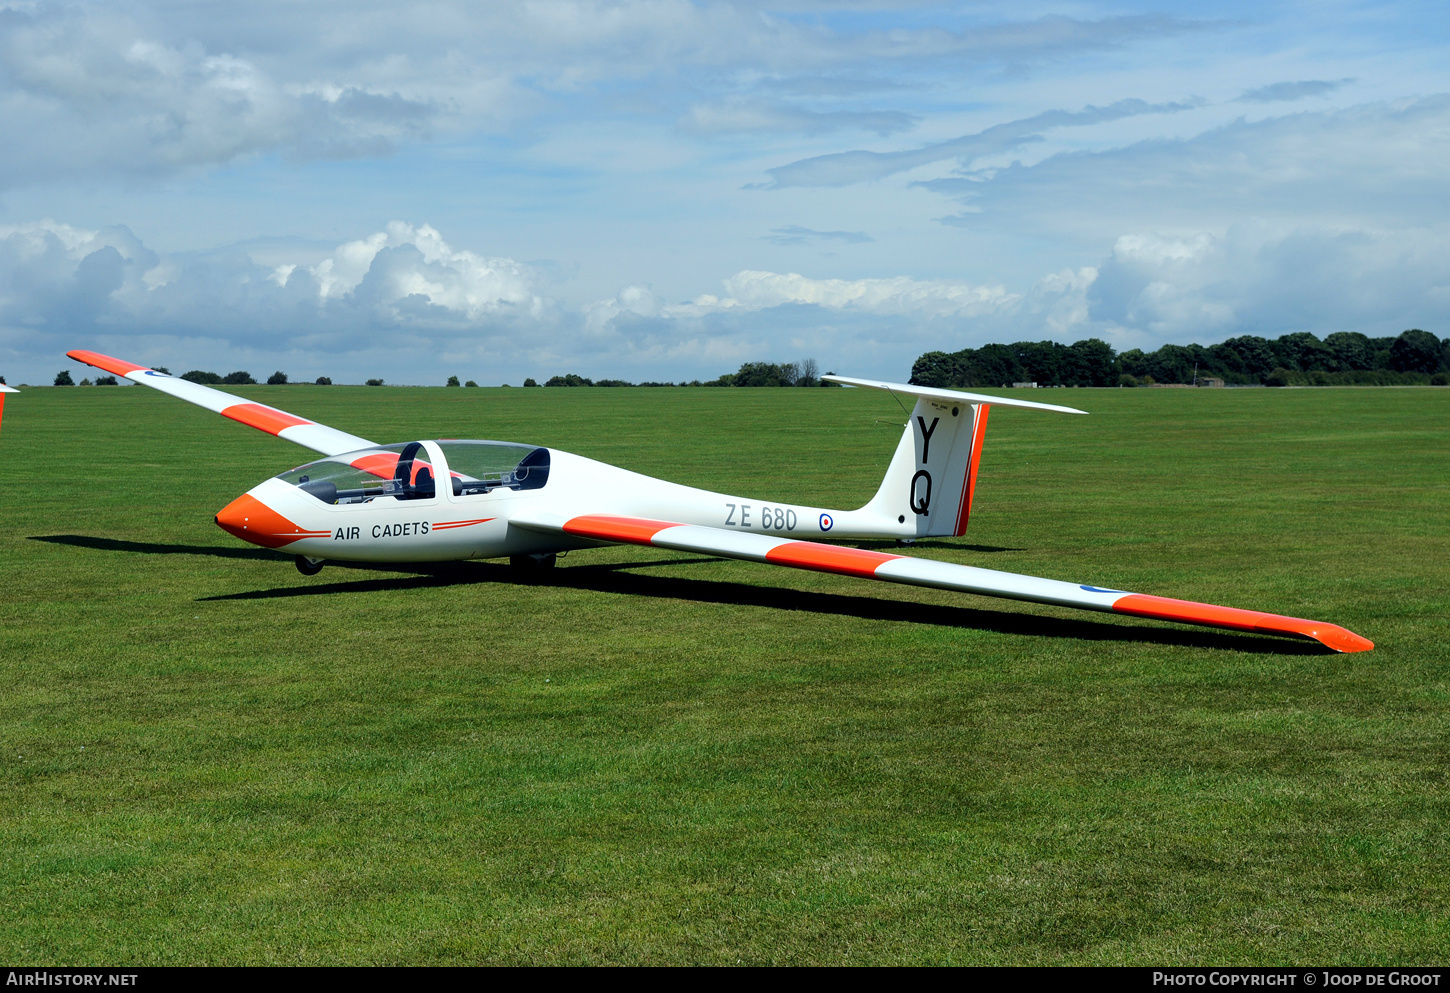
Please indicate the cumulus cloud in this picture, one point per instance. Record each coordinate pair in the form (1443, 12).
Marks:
(92, 89)
(396, 291)
(1259, 279)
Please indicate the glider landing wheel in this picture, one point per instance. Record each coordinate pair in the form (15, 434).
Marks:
(309, 567)
(532, 568)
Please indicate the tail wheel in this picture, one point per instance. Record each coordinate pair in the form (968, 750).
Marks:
(531, 568)
(309, 567)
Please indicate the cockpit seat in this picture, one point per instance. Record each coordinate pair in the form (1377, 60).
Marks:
(422, 488)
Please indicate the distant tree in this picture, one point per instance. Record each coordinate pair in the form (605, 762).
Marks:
(323, 381)
(1304, 352)
(238, 379)
(1415, 351)
(827, 382)
(1349, 351)
(62, 378)
(569, 379)
(374, 382)
(106, 381)
(1041, 361)
(1379, 352)
(1278, 377)
(810, 373)
(763, 374)
(163, 370)
(204, 378)
(530, 382)
(938, 369)
(470, 383)
(2, 380)
(1090, 362)
(85, 382)
(278, 378)
(992, 365)
(452, 381)
(1245, 359)
(612, 382)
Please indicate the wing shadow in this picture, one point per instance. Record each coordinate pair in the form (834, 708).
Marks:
(617, 578)
(155, 548)
(887, 545)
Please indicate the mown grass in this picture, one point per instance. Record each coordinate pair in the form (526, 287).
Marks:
(659, 758)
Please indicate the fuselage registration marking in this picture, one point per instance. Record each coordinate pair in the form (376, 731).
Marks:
(770, 518)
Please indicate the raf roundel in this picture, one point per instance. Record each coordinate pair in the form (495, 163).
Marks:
(826, 522)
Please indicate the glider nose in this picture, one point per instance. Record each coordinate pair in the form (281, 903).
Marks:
(237, 518)
(252, 520)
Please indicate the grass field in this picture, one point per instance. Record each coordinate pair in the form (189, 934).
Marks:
(659, 758)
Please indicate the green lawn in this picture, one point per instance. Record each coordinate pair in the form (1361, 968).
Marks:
(660, 758)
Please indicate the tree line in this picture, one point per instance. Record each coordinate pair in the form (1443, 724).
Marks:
(1414, 357)
(806, 372)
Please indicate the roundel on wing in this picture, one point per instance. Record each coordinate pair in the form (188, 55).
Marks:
(826, 522)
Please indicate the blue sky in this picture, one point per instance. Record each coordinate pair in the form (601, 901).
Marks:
(664, 189)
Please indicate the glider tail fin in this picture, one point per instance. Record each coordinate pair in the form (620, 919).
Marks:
(933, 474)
(4, 390)
(931, 479)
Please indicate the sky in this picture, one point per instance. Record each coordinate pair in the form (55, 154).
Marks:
(664, 189)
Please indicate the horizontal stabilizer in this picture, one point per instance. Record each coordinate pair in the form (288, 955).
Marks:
(301, 431)
(866, 564)
(950, 396)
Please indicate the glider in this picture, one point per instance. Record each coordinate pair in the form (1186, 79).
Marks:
(445, 500)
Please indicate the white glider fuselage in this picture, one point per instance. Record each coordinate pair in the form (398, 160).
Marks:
(449, 526)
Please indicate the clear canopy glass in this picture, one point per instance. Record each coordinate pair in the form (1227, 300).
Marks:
(404, 472)
(401, 471)
(479, 467)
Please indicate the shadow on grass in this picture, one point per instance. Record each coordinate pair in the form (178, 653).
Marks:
(153, 548)
(892, 544)
(617, 578)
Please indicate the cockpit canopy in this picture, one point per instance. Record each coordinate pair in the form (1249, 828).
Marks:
(406, 472)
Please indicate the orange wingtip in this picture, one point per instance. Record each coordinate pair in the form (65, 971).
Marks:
(1167, 609)
(118, 366)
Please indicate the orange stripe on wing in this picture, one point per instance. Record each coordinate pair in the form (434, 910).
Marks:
(636, 530)
(118, 366)
(828, 558)
(1167, 609)
(267, 419)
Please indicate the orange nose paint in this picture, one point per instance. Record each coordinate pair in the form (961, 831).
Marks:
(252, 520)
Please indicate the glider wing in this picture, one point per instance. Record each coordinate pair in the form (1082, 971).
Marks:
(925, 572)
(308, 434)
